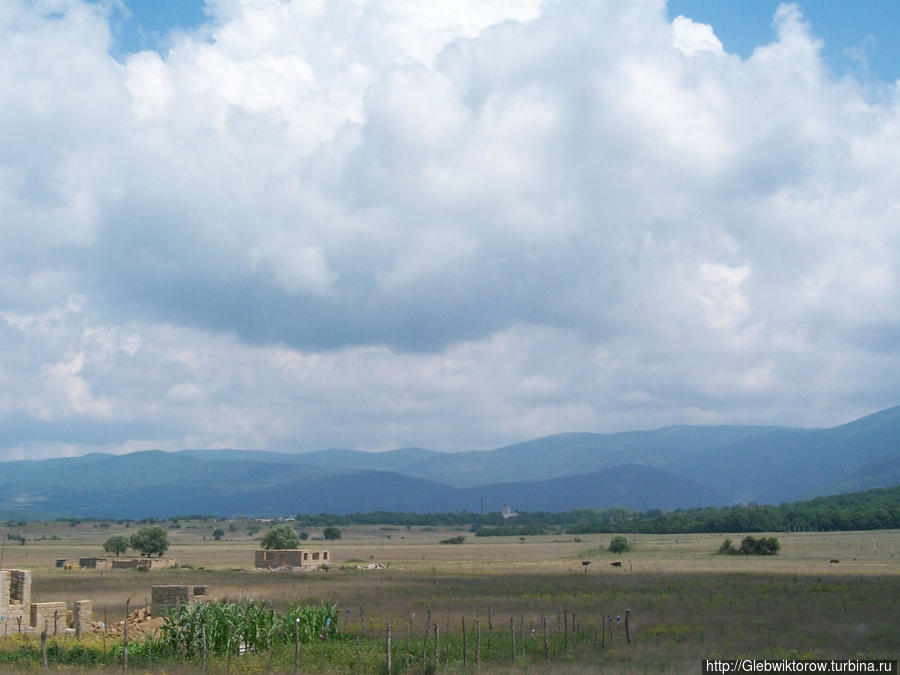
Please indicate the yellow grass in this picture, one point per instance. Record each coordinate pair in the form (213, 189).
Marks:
(687, 602)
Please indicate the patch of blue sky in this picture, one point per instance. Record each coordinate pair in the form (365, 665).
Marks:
(141, 25)
(860, 37)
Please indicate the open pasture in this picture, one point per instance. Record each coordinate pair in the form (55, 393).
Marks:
(686, 603)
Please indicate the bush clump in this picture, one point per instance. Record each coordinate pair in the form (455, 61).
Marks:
(454, 540)
(751, 546)
(619, 544)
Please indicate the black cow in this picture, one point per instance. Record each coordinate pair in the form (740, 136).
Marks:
(616, 563)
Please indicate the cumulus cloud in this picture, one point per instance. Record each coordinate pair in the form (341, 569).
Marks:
(320, 223)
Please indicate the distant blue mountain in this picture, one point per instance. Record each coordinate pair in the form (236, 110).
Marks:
(674, 467)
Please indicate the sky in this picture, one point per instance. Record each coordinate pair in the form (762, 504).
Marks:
(455, 225)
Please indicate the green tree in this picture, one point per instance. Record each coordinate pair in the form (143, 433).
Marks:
(331, 533)
(619, 544)
(218, 533)
(116, 544)
(761, 546)
(150, 540)
(304, 536)
(280, 537)
(727, 548)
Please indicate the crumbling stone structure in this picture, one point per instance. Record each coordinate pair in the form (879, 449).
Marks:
(291, 558)
(91, 563)
(162, 598)
(19, 615)
(141, 563)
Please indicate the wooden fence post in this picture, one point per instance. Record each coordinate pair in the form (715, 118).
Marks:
(389, 648)
(490, 631)
(425, 639)
(44, 646)
(296, 645)
(512, 637)
(465, 657)
(477, 642)
(522, 634)
(627, 632)
(546, 638)
(437, 646)
(203, 637)
(125, 644)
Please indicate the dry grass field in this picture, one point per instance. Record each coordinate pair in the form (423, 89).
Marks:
(686, 603)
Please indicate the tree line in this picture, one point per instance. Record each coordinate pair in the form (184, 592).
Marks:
(874, 509)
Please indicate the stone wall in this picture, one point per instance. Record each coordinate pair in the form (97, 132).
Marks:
(290, 558)
(164, 597)
(15, 597)
(92, 563)
(81, 616)
(19, 614)
(135, 563)
(49, 614)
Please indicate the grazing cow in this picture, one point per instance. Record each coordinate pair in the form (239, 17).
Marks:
(617, 563)
(834, 561)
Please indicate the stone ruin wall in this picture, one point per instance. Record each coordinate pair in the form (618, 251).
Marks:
(162, 598)
(276, 558)
(19, 614)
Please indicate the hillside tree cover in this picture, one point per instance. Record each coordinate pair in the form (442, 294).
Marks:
(869, 510)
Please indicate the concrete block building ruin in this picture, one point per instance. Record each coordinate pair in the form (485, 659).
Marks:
(163, 598)
(19, 615)
(291, 558)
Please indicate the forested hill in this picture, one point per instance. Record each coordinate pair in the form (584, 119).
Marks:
(669, 468)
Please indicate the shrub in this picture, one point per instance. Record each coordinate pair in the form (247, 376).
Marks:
(454, 540)
(752, 546)
(619, 544)
(761, 546)
(727, 548)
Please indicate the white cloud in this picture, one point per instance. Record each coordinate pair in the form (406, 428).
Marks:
(691, 37)
(64, 382)
(445, 224)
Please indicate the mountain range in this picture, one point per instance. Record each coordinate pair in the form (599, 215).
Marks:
(669, 468)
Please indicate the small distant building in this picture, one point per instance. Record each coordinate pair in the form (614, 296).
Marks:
(290, 558)
(91, 563)
(142, 563)
(61, 562)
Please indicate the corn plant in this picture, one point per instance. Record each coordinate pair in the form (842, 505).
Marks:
(235, 628)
